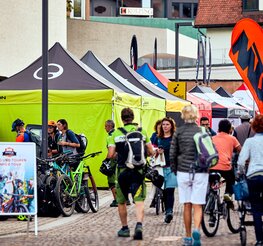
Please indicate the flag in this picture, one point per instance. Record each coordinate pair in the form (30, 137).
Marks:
(134, 53)
(247, 55)
(155, 54)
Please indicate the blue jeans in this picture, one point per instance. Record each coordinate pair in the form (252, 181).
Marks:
(255, 187)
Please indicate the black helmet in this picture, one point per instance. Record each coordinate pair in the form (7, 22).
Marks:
(16, 123)
(155, 177)
(106, 168)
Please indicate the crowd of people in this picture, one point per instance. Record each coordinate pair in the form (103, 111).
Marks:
(177, 146)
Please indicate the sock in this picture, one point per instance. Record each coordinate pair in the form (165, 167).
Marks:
(125, 228)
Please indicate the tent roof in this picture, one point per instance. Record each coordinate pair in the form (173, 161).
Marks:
(199, 102)
(65, 72)
(222, 92)
(122, 68)
(148, 72)
(96, 64)
(208, 94)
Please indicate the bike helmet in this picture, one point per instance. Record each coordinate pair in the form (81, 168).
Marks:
(106, 168)
(16, 123)
(52, 123)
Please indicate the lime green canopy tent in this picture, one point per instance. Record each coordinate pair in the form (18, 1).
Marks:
(152, 107)
(76, 93)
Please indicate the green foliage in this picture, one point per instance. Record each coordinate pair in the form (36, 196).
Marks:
(69, 5)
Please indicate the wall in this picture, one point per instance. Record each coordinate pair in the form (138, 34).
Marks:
(110, 41)
(220, 44)
(21, 32)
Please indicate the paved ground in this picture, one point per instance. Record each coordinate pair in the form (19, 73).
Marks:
(100, 229)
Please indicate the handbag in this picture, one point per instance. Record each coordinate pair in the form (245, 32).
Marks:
(241, 189)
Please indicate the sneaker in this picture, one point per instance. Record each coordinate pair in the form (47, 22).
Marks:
(196, 236)
(168, 218)
(138, 232)
(114, 204)
(187, 241)
(124, 232)
(227, 197)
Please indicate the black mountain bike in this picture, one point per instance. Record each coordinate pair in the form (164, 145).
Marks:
(216, 208)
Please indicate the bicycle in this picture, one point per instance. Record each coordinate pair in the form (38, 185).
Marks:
(159, 200)
(215, 208)
(77, 191)
(51, 169)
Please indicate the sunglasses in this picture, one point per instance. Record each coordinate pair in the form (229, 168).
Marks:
(204, 124)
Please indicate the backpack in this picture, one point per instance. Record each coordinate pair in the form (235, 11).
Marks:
(206, 153)
(134, 148)
(83, 141)
(34, 138)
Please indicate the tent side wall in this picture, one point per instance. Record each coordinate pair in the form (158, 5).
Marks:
(85, 112)
(153, 109)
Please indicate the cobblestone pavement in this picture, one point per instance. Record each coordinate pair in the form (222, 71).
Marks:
(100, 229)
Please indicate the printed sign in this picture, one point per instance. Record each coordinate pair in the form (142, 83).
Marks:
(178, 89)
(18, 179)
(136, 11)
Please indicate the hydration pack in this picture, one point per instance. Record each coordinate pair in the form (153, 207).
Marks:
(134, 148)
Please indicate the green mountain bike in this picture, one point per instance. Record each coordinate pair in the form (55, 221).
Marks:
(77, 190)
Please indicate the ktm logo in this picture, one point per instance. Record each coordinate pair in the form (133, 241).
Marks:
(250, 62)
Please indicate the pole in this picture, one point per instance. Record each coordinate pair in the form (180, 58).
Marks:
(44, 77)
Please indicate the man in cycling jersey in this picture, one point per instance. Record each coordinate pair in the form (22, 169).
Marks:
(18, 126)
(129, 180)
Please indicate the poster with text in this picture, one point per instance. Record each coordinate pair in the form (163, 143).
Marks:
(18, 185)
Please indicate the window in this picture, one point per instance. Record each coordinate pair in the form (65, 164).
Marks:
(250, 5)
(78, 9)
(158, 8)
(183, 9)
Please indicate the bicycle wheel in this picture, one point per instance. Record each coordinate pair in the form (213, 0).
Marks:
(65, 202)
(243, 236)
(92, 195)
(210, 217)
(22, 209)
(233, 221)
(82, 205)
(52, 209)
(157, 201)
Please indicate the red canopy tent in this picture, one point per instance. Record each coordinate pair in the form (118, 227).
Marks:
(204, 107)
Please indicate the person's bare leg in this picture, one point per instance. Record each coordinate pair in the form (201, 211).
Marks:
(188, 218)
(123, 214)
(139, 211)
(113, 190)
(197, 215)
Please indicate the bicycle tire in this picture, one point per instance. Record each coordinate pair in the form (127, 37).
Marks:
(233, 221)
(208, 211)
(92, 194)
(21, 208)
(82, 205)
(243, 236)
(64, 200)
(157, 201)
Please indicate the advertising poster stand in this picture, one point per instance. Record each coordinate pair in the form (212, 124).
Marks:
(18, 181)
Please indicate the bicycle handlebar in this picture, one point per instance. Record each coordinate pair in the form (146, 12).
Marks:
(91, 155)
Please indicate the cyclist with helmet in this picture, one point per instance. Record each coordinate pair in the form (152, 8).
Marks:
(22, 135)
(53, 135)
(109, 165)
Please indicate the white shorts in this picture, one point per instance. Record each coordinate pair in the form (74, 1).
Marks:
(192, 190)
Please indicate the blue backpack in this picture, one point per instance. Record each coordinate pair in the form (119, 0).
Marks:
(206, 152)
